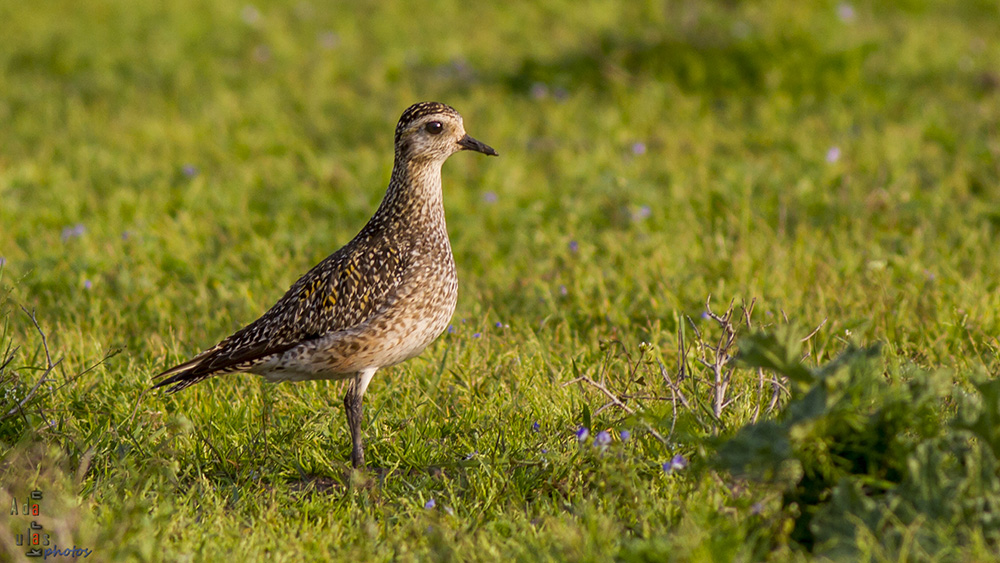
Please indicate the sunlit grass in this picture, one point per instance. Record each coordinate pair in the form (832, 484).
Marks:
(168, 170)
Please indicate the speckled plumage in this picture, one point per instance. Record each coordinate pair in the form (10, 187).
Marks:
(377, 301)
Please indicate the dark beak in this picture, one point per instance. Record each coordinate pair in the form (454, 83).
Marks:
(471, 144)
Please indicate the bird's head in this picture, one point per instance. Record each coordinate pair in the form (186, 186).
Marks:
(434, 131)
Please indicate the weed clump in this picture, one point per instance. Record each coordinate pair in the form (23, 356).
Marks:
(869, 458)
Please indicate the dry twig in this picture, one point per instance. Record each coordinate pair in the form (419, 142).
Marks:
(49, 366)
(615, 401)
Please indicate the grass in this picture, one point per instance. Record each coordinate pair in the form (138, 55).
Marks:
(167, 170)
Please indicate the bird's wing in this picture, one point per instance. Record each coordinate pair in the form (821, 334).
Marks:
(344, 290)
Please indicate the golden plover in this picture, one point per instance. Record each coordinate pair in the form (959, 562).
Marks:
(377, 301)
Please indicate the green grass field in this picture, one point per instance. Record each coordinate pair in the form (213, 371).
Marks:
(168, 169)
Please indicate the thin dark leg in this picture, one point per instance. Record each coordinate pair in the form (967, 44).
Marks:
(352, 405)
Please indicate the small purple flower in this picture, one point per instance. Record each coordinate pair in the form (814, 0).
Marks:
(250, 15)
(451, 329)
(490, 197)
(845, 12)
(87, 284)
(261, 53)
(833, 155)
(642, 213)
(544, 450)
(706, 316)
(638, 148)
(563, 291)
(189, 170)
(3, 261)
(498, 324)
(757, 508)
(536, 427)
(741, 30)
(625, 435)
(430, 504)
(582, 433)
(573, 246)
(676, 463)
(461, 67)
(328, 40)
(477, 335)
(539, 91)
(76, 231)
(602, 439)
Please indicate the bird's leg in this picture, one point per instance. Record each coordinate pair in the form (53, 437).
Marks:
(354, 410)
(352, 405)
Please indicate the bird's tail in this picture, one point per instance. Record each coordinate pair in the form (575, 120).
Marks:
(186, 374)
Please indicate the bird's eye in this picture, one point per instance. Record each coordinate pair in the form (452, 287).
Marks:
(434, 127)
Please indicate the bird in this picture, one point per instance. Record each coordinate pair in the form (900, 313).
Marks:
(378, 301)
